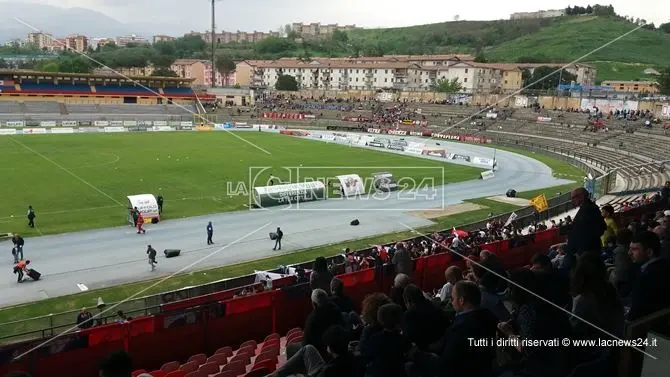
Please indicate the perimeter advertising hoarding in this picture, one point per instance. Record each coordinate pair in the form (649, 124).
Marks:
(48, 123)
(384, 182)
(268, 196)
(69, 123)
(18, 123)
(351, 185)
(7, 131)
(34, 131)
(62, 130)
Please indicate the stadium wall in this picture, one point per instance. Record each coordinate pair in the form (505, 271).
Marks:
(87, 99)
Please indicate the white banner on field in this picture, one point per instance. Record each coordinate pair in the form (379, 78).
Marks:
(184, 124)
(415, 148)
(487, 174)
(48, 123)
(129, 123)
(62, 130)
(351, 185)
(116, 123)
(101, 123)
(7, 131)
(34, 131)
(69, 123)
(162, 128)
(482, 161)
(115, 129)
(160, 123)
(15, 123)
(520, 101)
(327, 137)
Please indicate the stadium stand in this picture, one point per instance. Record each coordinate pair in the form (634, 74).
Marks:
(255, 334)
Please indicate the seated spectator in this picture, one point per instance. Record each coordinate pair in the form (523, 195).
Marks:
(595, 308)
(535, 319)
(649, 288)
(302, 278)
(425, 323)
(399, 283)
(459, 356)
(552, 285)
(308, 360)
(371, 305)
(624, 272)
(320, 277)
(324, 315)
(492, 265)
(402, 260)
(490, 299)
(385, 351)
(118, 364)
(453, 274)
(344, 303)
(123, 318)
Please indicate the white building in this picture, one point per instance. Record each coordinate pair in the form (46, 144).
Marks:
(41, 40)
(539, 14)
(130, 39)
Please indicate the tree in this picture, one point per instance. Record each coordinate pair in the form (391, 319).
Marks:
(225, 66)
(340, 36)
(664, 81)
(445, 85)
(480, 58)
(544, 78)
(164, 72)
(287, 83)
(3, 64)
(588, 10)
(664, 27)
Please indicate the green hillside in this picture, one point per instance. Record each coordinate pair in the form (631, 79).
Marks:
(577, 36)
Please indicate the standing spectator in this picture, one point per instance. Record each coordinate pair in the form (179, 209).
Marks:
(610, 224)
(585, 231)
(159, 201)
(650, 287)
(135, 213)
(320, 277)
(84, 319)
(385, 351)
(279, 234)
(424, 322)
(324, 315)
(459, 356)
(402, 260)
(624, 272)
(399, 283)
(31, 217)
(118, 364)
(665, 195)
(210, 233)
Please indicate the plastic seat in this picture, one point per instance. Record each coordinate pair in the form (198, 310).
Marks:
(197, 373)
(138, 372)
(176, 373)
(218, 359)
(294, 340)
(228, 373)
(248, 343)
(157, 373)
(271, 336)
(272, 354)
(248, 350)
(237, 367)
(241, 357)
(270, 343)
(228, 351)
(170, 367)
(209, 368)
(270, 365)
(293, 330)
(189, 367)
(260, 372)
(200, 358)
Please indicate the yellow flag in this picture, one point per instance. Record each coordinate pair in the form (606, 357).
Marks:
(539, 202)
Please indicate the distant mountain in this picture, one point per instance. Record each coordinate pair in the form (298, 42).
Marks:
(60, 22)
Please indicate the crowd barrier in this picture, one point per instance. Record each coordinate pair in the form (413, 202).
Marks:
(203, 324)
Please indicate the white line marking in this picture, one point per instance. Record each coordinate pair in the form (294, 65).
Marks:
(82, 287)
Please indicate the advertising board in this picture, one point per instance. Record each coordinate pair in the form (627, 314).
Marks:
(268, 196)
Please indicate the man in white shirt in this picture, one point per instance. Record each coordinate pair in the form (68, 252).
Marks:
(453, 274)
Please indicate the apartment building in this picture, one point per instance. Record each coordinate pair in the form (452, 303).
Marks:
(586, 74)
(77, 42)
(651, 87)
(130, 39)
(317, 30)
(388, 72)
(163, 38)
(201, 72)
(41, 40)
(226, 37)
(539, 14)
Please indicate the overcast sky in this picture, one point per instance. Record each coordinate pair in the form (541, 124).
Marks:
(263, 15)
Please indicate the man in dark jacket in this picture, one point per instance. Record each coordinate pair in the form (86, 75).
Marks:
(402, 260)
(665, 195)
(159, 201)
(18, 242)
(84, 319)
(210, 233)
(585, 231)
(424, 322)
(461, 356)
(650, 286)
(280, 234)
(324, 315)
(31, 217)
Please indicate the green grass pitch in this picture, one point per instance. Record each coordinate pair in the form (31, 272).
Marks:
(60, 175)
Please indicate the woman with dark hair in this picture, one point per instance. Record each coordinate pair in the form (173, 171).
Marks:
(535, 319)
(595, 307)
(320, 277)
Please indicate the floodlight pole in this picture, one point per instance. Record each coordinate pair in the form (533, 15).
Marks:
(213, 44)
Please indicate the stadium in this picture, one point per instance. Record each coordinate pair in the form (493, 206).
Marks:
(79, 148)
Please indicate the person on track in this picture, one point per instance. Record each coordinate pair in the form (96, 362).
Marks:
(151, 252)
(159, 201)
(20, 268)
(279, 234)
(140, 223)
(17, 251)
(210, 233)
(31, 216)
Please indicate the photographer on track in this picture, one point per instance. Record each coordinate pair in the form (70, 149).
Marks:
(17, 251)
(151, 252)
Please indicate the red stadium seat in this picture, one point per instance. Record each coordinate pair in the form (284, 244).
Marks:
(241, 357)
(209, 368)
(271, 336)
(268, 355)
(238, 367)
(200, 358)
(138, 372)
(176, 373)
(228, 373)
(218, 359)
(270, 365)
(228, 351)
(170, 367)
(189, 367)
(197, 373)
(157, 373)
(295, 339)
(260, 372)
(248, 350)
(294, 330)
(271, 343)
(248, 343)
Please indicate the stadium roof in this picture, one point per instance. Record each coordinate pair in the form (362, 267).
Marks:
(51, 75)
